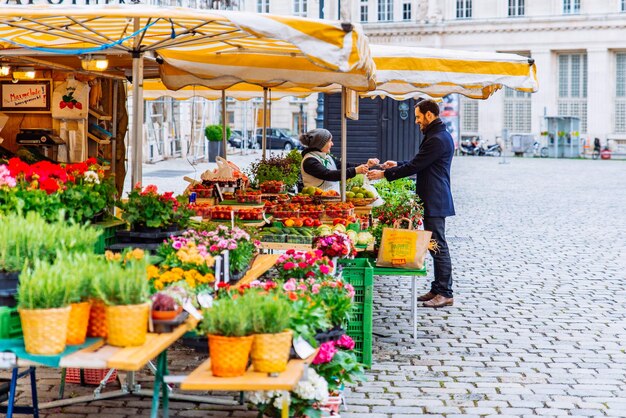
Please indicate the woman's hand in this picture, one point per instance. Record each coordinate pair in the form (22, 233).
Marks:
(389, 164)
(372, 162)
(362, 169)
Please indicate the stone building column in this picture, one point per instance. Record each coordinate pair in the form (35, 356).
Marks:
(600, 94)
(544, 101)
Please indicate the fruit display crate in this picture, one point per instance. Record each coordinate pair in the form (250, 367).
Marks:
(108, 237)
(299, 239)
(10, 324)
(359, 273)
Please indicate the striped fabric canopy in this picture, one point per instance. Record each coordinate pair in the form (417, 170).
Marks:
(154, 89)
(288, 51)
(404, 72)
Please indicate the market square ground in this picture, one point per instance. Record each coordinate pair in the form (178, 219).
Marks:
(539, 322)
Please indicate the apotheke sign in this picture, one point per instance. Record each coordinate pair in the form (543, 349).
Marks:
(66, 2)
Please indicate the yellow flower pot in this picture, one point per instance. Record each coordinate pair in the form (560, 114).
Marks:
(229, 355)
(270, 352)
(45, 330)
(127, 325)
(77, 325)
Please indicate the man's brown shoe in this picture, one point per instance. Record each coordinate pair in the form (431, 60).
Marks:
(426, 297)
(439, 302)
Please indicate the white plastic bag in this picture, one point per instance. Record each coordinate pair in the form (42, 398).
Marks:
(368, 186)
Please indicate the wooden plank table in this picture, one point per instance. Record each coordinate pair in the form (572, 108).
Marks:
(203, 380)
(132, 359)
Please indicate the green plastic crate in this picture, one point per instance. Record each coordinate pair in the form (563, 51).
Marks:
(359, 273)
(10, 324)
(107, 237)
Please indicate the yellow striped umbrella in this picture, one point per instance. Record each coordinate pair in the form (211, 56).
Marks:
(260, 49)
(403, 72)
(154, 89)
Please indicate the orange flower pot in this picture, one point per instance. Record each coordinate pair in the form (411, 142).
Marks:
(45, 330)
(229, 355)
(77, 325)
(127, 325)
(97, 319)
(166, 315)
(270, 352)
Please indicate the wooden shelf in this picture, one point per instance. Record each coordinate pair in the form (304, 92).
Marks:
(97, 139)
(100, 116)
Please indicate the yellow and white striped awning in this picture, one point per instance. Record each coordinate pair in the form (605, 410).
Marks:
(403, 72)
(154, 89)
(289, 51)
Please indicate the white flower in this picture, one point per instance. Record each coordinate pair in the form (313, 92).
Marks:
(91, 177)
(315, 388)
(278, 401)
(260, 397)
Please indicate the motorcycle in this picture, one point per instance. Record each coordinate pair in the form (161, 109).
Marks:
(471, 147)
(493, 150)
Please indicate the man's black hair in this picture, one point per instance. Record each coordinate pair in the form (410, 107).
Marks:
(427, 106)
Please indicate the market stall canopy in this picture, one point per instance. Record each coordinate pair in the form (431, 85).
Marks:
(154, 89)
(286, 50)
(404, 71)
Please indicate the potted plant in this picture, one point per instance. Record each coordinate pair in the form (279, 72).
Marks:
(229, 328)
(81, 271)
(123, 287)
(164, 306)
(29, 237)
(277, 168)
(44, 296)
(214, 134)
(271, 316)
(148, 211)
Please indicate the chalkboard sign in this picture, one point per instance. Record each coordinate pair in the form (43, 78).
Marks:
(25, 96)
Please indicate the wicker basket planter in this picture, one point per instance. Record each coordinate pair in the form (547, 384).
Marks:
(270, 352)
(77, 325)
(45, 330)
(127, 325)
(229, 355)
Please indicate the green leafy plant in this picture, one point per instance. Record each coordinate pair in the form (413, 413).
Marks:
(81, 272)
(228, 317)
(28, 238)
(214, 133)
(149, 208)
(45, 285)
(276, 168)
(309, 317)
(122, 282)
(270, 312)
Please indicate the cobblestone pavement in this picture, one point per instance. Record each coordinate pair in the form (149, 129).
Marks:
(539, 322)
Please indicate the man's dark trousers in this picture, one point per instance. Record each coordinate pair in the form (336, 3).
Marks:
(442, 285)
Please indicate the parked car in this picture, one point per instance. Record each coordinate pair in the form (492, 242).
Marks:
(277, 138)
(236, 139)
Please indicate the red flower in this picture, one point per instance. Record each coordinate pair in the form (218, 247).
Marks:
(293, 296)
(49, 185)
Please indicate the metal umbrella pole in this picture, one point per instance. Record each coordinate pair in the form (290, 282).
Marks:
(137, 138)
(344, 144)
(224, 133)
(264, 141)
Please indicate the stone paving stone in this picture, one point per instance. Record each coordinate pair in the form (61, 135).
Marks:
(539, 260)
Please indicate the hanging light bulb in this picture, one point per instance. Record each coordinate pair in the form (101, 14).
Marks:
(94, 62)
(24, 73)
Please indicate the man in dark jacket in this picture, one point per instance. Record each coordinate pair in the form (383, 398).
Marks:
(432, 167)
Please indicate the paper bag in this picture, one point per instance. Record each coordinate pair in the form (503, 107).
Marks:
(403, 248)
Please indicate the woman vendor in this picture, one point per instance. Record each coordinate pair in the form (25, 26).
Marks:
(319, 168)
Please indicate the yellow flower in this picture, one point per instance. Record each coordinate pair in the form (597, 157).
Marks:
(158, 285)
(153, 271)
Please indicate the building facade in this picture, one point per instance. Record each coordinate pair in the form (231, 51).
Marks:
(578, 45)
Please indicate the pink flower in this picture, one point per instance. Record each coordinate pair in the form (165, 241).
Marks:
(316, 288)
(345, 342)
(290, 285)
(302, 265)
(326, 353)
(324, 269)
(289, 265)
